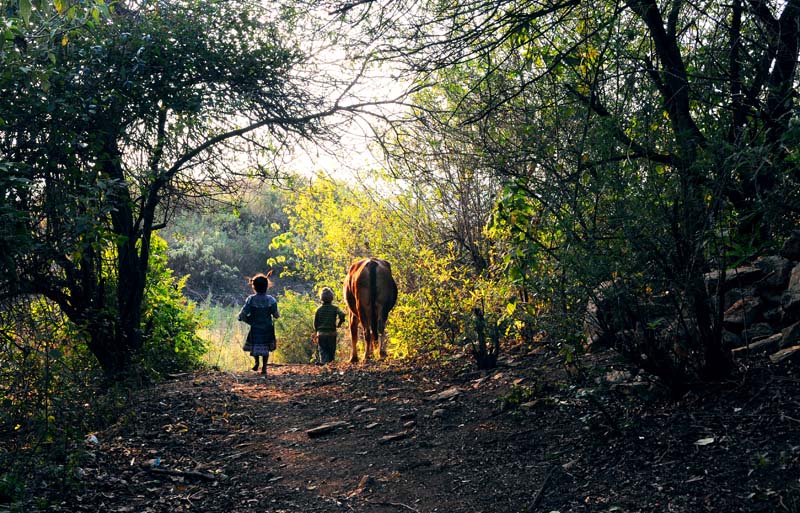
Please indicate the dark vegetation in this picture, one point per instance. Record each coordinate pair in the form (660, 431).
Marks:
(637, 162)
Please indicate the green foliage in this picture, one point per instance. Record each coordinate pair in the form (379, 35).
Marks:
(219, 249)
(618, 152)
(410, 328)
(14, 237)
(172, 322)
(330, 225)
(517, 395)
(428, 318)
(294, 328)
(11, 487)
(52, 396)
(51, 388)
(52, 391)
(115, 113)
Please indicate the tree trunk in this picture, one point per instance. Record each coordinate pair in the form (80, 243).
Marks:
(114, 350)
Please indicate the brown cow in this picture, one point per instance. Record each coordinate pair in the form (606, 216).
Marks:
(371, 293)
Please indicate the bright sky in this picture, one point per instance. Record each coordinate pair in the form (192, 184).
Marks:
(355, 151)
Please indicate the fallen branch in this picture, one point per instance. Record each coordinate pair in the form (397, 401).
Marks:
(324, 429)
(395, 436)
(539, 493)
(183, 473)
(395, 504)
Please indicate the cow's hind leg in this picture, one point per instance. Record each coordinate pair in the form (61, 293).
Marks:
(353, 338)
(369, 343)
(380, 335)
(382, 345)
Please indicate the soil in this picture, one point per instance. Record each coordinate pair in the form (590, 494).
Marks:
(428, 435)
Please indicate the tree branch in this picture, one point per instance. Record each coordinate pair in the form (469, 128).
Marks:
(617, 132)
(676, 83)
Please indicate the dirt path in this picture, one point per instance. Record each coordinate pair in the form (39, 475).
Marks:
(426, 439)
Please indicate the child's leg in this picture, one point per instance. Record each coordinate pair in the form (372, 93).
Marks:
(327, 348)
(264, 367)
(255, 367)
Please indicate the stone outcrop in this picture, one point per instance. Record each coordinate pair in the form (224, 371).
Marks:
(760, 301)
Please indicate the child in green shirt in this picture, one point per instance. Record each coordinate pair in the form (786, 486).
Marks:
(327, 318)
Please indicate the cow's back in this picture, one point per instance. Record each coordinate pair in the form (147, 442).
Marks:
(362, 293)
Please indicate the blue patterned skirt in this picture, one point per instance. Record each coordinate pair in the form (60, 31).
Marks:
(260, 341)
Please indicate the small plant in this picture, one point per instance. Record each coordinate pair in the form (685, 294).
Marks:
(172, 343)
(762, 460)
(516, 396)
(485, 354)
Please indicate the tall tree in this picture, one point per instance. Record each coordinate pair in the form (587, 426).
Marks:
(631, 136)
(107, 125)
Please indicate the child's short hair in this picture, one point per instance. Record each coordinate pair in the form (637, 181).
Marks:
(260, 283)
(326, 295)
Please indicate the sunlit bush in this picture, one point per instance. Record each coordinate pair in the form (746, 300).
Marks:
(295, 328)
(52, 391)
(171, 342)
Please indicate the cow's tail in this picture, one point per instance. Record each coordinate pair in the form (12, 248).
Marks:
(373, 297)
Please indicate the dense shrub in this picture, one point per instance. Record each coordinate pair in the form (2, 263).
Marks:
(52, 391)
(171, 340)
(295, 328)
(218, 250)
(52, 394)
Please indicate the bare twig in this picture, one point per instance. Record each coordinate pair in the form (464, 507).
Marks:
(395, 504)
(183, 473)
(540, 492)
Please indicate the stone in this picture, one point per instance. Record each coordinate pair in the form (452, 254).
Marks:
(790, 335)
(531, 404)
(738, 277)
(324, 429)
(393, 437)
(773, 316)
(734, 295)
(790, 353)
(606, 313)
(791, 248)
(777, 270)
(618, 376)
(791, 298)
(450, 393)
(771, 297)
(757, 331)
(742, 313)
(731, 339)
